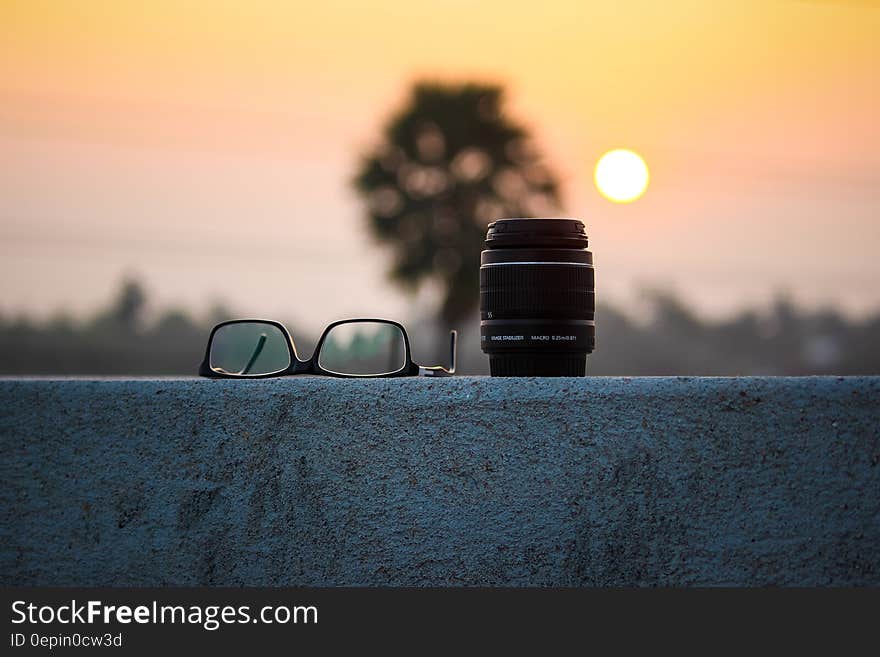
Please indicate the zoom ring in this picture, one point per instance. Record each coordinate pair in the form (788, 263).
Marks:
(514, 291)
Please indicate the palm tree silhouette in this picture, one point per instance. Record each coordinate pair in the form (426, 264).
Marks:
(448, 164)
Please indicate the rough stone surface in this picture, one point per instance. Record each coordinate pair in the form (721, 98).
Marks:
(465, 481)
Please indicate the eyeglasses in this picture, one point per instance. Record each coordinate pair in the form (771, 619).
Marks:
(261, 348)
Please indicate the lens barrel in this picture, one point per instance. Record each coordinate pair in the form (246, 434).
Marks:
(537, 298)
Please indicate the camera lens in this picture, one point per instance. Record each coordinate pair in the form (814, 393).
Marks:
(537, 298)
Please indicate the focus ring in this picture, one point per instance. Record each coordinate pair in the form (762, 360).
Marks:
(559, 291)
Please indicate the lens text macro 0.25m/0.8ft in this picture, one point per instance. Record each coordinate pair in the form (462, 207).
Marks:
(537, 298)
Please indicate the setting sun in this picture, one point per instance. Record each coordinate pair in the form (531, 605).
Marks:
(621, 176)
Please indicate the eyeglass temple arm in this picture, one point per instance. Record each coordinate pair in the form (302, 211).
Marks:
(453, 351)
(442, 371)
(257, 351)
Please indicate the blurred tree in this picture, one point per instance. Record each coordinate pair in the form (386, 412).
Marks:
(129, 306)
(449, 163)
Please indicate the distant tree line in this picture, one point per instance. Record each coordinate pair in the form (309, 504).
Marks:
(784, 340)
(117, 340)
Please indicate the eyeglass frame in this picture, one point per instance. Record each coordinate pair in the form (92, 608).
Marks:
(312, 366)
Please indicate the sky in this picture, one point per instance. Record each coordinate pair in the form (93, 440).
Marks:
(208, 147)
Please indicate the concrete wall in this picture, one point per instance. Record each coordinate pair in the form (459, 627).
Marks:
(313, 481)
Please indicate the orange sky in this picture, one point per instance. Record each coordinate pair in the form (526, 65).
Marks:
(207, 146)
